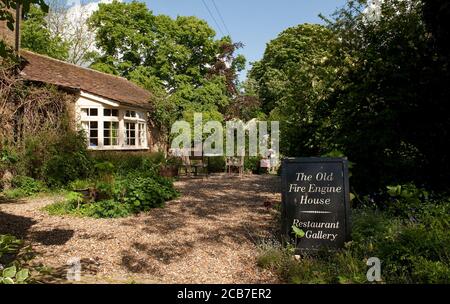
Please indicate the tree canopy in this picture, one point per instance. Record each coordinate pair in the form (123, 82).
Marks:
(36, 36)
(371, 86)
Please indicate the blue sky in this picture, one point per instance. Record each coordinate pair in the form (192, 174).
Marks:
(253, 22)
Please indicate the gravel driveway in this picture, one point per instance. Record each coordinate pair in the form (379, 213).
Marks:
(208, 235)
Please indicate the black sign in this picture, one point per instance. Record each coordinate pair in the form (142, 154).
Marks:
(315, 194)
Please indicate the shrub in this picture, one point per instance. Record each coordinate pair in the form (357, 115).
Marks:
(216, 164)
(69, 160)
(24, 186)
(252, 164)
(124, 163)
(413, 248)
(28, 184)
(133, 193)
(106, 209)
(143, 192)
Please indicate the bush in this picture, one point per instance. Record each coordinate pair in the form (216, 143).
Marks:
(24, 186)
(133, 193)
(69, 160)
(413, 245)
(124, 163)
(252, 164)
(216, 164)
(143, 192)
(106, 209)
(28, 185)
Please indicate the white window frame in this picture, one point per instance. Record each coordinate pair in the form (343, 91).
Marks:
(90, 101)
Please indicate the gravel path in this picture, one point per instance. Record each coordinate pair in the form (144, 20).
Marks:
(208, 235)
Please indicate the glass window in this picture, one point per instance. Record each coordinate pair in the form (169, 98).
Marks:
(110, 112)
(130, 114)
(110, 133)
(90, 111)
(130, 133)
(91, 128)
(141, 134)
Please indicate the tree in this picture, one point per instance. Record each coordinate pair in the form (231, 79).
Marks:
(70, 23)
(7, 8)
(179, 59)
(294, 79)
(37, 37)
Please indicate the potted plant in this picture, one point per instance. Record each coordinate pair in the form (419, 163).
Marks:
(85, 189)
(169, 166)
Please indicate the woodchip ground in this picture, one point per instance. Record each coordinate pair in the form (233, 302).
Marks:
(209, 235)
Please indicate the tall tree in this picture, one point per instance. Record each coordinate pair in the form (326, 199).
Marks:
(37, 37)
(7, 9)
(179, 58)
(294, 79)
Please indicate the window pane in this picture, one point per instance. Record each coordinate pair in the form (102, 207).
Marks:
(94, 125)
(106, 125)
(115, 112)
(106, 133)
(106, 141)
(93, 112)
(132, 142)
(93, 142)
(85, 111)
(114, 142)
(93, 133)
(107, 112)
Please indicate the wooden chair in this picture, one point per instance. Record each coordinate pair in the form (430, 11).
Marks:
(235, 162)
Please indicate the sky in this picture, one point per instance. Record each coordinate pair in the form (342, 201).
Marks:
(252, 22)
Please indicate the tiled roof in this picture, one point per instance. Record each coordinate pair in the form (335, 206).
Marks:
(48, 70)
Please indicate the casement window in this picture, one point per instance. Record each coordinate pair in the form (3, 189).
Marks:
(111, 128)
(110, 133)
(91, 128)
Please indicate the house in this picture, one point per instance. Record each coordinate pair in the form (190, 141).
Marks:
(113, 111)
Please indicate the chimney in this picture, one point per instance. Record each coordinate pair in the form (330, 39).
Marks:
(12, 38)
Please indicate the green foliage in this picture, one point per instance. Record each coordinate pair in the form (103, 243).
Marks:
(143, 192)
(14, 274)
(9, 244)
(37, 37)
(123, 163)
(10, 275)
(6, 15)
(69, 160)
(80, 184)
(374, 88)
(126, 194)
(28, 185)
(106, 209)
(299, 233)
(252, 164)
(178, 60)
(216, 164)
(293, 81)
(412, 249)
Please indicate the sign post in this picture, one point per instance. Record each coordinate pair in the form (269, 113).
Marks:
(315, 202)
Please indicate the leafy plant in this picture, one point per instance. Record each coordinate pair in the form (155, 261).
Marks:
(10, 275)
(299, 233)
